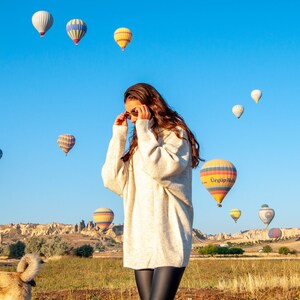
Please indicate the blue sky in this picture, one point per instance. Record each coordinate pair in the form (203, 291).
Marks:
(202, 56)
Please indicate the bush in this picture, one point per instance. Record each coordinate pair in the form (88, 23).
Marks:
(223, 250)
(208, 250)
(55, 246)
(99, 247)
(4, 250)
(84, 251)
(16, 250)
(34, 245)
(267, 249)
(236, 251)
(213, 249)
(284, 250)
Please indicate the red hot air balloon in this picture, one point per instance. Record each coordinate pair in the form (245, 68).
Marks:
(275, 233)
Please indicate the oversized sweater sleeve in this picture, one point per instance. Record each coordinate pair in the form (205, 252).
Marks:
(114, 169)
(166, 159)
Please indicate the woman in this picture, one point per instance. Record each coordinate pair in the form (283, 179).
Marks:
(154, 177)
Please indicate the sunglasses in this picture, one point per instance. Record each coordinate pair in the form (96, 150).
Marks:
(133, 113)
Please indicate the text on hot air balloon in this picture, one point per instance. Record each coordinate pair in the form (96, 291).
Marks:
(222, 180)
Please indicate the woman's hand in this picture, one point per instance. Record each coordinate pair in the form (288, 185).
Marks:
(121, 120)
(143, 112)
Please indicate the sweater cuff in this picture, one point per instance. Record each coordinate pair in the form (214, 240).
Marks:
(143, 126)
(120, 131)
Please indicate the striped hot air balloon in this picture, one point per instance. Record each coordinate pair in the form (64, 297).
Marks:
(123, 37)
(275, 233)
(66, 142)
(103, 217)
(218, 176)
(76, 30)
(42, 21)
(235, 214)
(1, 153)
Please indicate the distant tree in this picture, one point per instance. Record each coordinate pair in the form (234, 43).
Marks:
(55, 246)
(208, 250)
(236, 250)
(84, 251)
(34, 245)
(223, 250)
(284, 250)
(16, 250)
(267, 249)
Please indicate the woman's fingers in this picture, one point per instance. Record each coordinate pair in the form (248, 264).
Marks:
(121, 120)
(143, 112)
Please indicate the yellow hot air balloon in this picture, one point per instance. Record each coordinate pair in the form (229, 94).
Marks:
(218, 176)
(235, 214)
(103, 217)
(66, 142)
(123, 37)
(256, 95)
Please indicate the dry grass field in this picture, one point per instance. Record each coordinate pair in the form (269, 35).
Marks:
(70, 278)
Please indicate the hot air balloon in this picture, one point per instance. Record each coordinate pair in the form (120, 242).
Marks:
(66, 142)
(123, 37)
(218, 176)
(275, 233)
(1, 153)
(235, 214)
(238, 110)
(76, 30)
(266, 214)
(256, 95)
(42, 21)
(103, 217)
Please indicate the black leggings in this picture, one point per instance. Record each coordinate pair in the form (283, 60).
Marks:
(158, 284)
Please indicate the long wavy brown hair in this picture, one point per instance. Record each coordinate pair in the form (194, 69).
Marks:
(163, 117)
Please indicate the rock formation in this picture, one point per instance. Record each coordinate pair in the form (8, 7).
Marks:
(13, 232)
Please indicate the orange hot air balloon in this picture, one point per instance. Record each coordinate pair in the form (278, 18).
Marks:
(103, 217)
(123, 37)
(66, 142)
(218, 176)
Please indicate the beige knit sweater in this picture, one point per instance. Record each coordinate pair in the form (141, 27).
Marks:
(156, 186)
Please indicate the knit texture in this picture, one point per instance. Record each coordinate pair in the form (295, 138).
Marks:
(156, 186)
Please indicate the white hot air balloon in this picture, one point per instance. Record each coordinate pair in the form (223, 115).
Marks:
(256, 95)
(266, 214)
(42, 21)
(238, 110)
